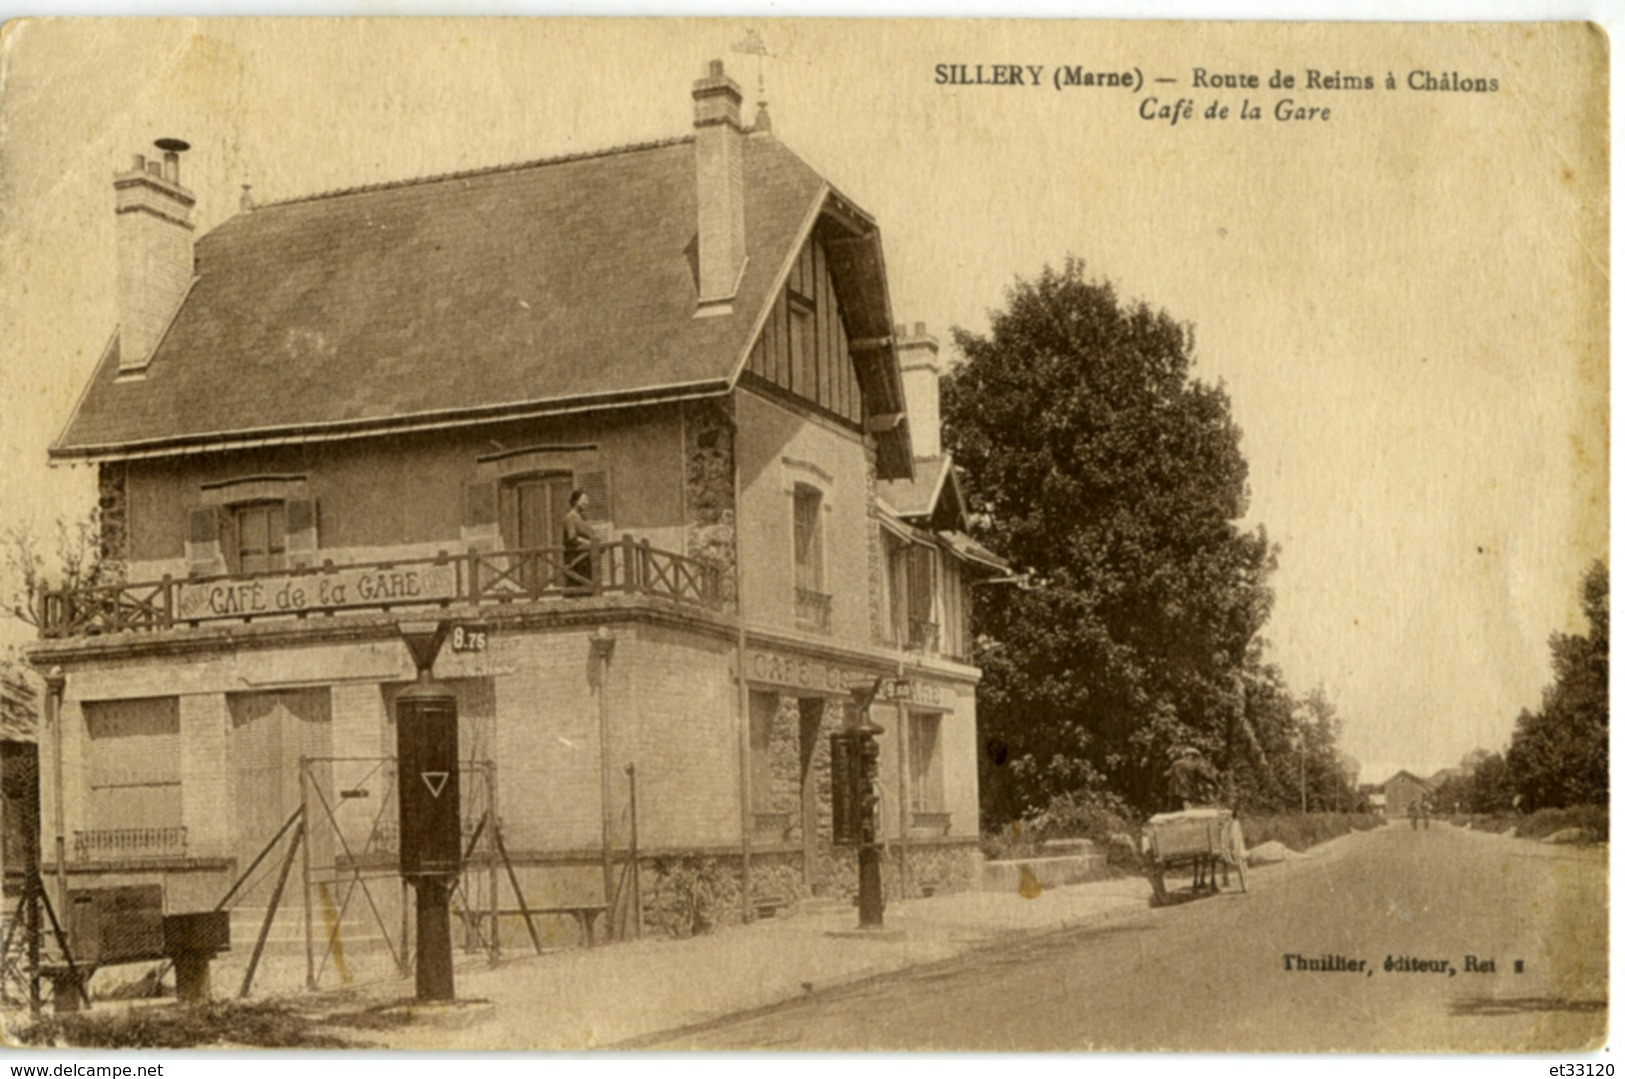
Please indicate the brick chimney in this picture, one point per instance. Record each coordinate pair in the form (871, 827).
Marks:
(155, 267)
(719, 177)
(917, 353)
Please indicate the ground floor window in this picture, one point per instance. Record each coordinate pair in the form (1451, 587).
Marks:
(925, 762)
(133, 774)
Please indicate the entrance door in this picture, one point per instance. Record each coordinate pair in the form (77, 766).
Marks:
(814, 774)
(270, 732)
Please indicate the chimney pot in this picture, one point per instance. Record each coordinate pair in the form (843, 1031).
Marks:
(156, 262)
(922, 371)
(719, 179)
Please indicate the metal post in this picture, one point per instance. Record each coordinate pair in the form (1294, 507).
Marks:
(491, 864)
(603, 647)
(870, 840)
(32, 887)
(434, 975)
(405, 961)
(904, 792)
(1303, 770)
(55, 680)
(871, 896)
(742, 699)
(304, 870)
(637, 884)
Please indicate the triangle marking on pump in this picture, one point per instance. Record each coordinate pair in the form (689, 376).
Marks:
(435, 781)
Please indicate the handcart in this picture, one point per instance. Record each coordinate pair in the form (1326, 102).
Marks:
(1206, 841)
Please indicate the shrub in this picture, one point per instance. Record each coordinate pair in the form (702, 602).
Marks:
(1093, 815)
(683, 901)
(268, 1025)
(1590, 819)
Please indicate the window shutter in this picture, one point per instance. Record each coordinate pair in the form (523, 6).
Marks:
(920, 583)
(598, 514)
(204, 557)
(480, 516)
(301, 537)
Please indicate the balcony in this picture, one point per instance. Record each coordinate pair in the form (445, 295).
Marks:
(812, 610)
(922, 635)
(128, 844)
(540, 575)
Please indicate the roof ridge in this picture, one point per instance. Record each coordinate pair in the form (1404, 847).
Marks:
(484, 170)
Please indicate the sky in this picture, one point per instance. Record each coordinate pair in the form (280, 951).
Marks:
(1404, 301)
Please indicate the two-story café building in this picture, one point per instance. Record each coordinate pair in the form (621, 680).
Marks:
(332, 415)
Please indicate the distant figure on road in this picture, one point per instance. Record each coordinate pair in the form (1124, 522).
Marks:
(1427, 814)
(1415, 813)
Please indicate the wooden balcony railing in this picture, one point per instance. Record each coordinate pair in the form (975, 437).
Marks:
(544, 574)
(120, 844)
(922, 635)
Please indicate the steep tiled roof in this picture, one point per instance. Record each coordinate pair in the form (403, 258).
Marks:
(561, 283)
(932, 496)
(916, 497)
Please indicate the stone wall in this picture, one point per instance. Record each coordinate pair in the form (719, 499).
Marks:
(708, 485)
(113, 510)
(686, 896)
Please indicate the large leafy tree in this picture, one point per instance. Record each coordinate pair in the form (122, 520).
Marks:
(1114, 479)
(1559, 755)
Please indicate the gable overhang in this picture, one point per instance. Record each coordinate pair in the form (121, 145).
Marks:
(972, 553)
(257, 438)
(857, 270)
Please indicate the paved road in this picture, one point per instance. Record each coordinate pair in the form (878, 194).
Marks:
(1211, 974)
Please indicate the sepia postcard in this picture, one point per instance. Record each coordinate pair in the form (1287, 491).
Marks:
(804, 535)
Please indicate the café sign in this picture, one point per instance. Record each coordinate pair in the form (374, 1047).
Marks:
(801, 672)
(324, 591)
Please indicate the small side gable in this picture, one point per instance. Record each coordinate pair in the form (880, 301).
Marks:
(803, 347)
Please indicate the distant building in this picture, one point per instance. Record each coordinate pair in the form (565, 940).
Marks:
(1402, 791)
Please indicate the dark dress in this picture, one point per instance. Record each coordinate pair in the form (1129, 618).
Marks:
(577, 552)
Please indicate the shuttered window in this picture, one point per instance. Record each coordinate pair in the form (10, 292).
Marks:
(204, 556)
(132, 764)
(809, 539)
(925, 762)
(528, 510)
(922, 582)
(261, 535)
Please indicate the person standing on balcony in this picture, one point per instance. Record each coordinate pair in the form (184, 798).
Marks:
(578, 575)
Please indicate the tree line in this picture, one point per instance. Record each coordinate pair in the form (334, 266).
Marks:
(1558, 756)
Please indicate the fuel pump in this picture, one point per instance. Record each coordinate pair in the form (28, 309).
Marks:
(429, 796)
(855, 797)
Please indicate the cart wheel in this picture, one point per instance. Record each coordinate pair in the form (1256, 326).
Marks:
(1238, 852)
